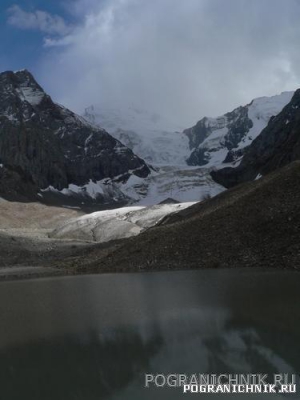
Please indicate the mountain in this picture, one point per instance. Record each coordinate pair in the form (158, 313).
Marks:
(276, 146)
(48, 151)
(158, 141)
(183, 162)
(214, 141)
(50, 154)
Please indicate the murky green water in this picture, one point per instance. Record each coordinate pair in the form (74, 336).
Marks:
(94, 337)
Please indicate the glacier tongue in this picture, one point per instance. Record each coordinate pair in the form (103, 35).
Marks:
(183, 184)
(103, 226)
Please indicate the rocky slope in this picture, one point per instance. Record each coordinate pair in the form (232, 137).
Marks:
(45, 146)
(276, 146)
(214, 141)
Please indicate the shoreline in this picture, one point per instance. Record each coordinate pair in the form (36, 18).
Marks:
(22, 272)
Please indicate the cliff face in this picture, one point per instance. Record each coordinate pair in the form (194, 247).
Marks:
(48, 145)
(276, 146)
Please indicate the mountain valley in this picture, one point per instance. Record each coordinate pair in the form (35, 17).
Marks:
(64, 177)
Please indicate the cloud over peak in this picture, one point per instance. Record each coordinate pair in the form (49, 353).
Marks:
(183, 59)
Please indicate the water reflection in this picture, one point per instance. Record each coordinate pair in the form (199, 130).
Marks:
(94, 337)
(69, 368)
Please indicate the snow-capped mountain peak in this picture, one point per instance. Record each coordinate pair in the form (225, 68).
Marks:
(215, 141)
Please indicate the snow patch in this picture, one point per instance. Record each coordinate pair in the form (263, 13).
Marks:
(30, 94)
(91, 189)
(261, 110)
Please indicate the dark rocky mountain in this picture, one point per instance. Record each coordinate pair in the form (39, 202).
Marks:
(224, 139)
(43, 144)
(276, 146)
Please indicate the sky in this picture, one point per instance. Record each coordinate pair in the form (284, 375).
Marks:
(184, 59)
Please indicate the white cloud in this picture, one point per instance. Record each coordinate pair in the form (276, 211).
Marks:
(185, 59)
(64, 41)
(37, 20)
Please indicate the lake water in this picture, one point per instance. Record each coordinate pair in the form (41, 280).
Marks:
(95, 337)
